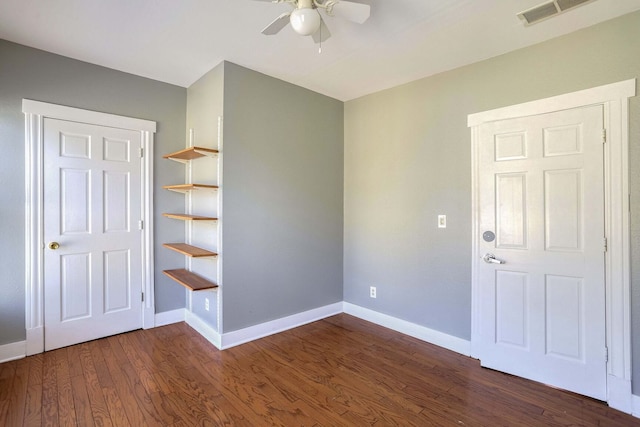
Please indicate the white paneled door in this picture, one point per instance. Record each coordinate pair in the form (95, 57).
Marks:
(93, 242)
(542, 289)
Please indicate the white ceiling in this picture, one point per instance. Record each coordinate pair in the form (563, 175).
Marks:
(178, 41)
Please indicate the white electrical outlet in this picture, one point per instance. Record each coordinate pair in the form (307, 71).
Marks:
(442, 221)
(206, 304)
(372, 292)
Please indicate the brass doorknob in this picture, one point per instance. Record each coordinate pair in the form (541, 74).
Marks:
(54, 245)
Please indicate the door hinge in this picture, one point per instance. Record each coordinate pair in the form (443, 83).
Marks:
(606, 244)
(141, 225)
(604, 136)
(606, 354)
(141, 152)
(142, 295)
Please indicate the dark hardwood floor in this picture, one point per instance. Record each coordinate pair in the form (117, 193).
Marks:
(340, 371)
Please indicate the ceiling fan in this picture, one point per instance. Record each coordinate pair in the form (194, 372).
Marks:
(305, 18)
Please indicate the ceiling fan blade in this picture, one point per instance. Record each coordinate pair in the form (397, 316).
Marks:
(276, 26)
(322, 34)
(354, 12)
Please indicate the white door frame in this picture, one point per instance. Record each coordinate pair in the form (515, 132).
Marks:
(614, 98)
(35, 112)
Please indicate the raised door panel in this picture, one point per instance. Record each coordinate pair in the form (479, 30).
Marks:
(117, 150)
(75, 145)
(75, 286)
(512, 309)
(565, 316)
(117, 280)
(564, 210)
(511, 210)
(117, 195)
(75, 201)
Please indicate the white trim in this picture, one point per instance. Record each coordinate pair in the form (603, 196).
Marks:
(170, 317)
(596, 95)
(614, 98)
(203, 328)
(35, 340)
(35, 112)
(13, 351)
(475, 241)
(34, 310)
(220, 223)
(619, 394)
(423, 333)
(232, 339)
(635, 406)
(148, 255)
(62, 112)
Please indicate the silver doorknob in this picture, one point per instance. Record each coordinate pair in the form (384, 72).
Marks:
(54, 245)
(491, 259)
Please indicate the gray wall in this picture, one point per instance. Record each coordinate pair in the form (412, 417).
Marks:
(407, 159)
(34, 74)
(283, 199)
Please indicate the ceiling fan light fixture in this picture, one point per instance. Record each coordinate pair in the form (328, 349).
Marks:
(305, 21)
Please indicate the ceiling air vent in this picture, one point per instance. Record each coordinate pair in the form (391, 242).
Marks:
(548, 9)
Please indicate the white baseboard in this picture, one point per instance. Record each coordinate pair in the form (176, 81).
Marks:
(423, 333)
(262, 330)
(13, 351)
(169, 317)
(203, 328)
(635, 406)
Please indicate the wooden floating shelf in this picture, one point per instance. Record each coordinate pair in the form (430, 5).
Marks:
(186, 217)
(183, 156)
(190, 280)
(184, 188)
(189, 250)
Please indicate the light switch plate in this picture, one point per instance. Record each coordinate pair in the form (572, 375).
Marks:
(442, 221)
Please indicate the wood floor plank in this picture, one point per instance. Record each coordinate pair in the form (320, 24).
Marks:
(66, 406)
(33, 406)
(81, 401)
(99, 407)
(7, 375)
(75, 367)
(50, 406)
(340, 371)
(117, 412)
(99, 364)
(18, 394)
(4, 412)
(35, 369)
